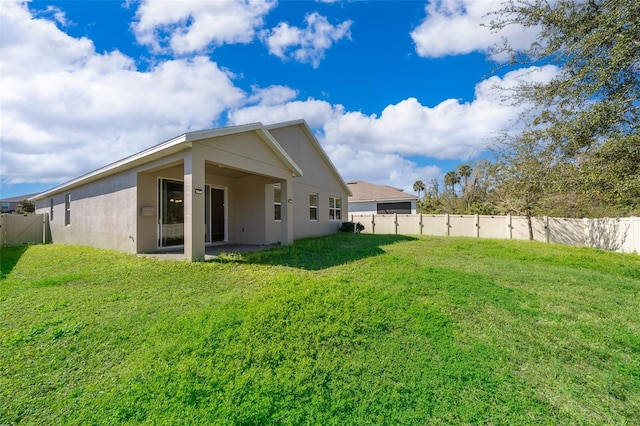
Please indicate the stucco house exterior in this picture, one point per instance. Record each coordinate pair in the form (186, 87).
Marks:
(369, 198)
(248, 184)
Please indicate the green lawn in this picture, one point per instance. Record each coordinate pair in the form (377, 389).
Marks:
(349, 329)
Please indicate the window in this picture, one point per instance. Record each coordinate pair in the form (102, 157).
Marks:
(390, 208)
(335, 208)
(313, 206)
(51, 209)
(277, 203)
(67, 209)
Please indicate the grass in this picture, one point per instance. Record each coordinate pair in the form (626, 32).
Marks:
(348, 329)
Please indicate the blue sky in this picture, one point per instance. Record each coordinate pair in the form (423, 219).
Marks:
(395, 91)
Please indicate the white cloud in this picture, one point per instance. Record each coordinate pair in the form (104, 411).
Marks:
(449, 130)
(376, 148)
(316, 112)
(183, 27)
(306, 45)
(272, 95)
(379, 167)
(454, 27)
(67, 110)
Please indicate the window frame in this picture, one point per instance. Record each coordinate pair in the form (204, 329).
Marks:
(67, 209)
(314, 208)
(335, 209)
(277, 203)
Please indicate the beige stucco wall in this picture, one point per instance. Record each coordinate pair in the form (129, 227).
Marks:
(317, 178)
(102, 214)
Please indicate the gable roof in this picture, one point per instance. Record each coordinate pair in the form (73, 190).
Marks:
(366, 191)
(307, 131)
(174, 145)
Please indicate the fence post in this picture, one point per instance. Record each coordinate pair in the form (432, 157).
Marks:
(448, 225)
(373, 224)
(635, 244)
(421, 225)
(509, 227)
(477, 226)
(395, 223)
(547, 231)
(45, 219)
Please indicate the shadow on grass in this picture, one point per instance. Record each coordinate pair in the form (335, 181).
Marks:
(319, 253)
(9, 257)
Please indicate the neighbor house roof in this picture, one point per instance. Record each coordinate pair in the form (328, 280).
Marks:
(177, 144)
(17, 198)
(365, 191)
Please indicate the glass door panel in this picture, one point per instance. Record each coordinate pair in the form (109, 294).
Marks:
(171, 218)
(217, 210)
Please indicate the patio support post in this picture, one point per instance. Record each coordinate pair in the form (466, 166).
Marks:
(286, 191)
(194, 226)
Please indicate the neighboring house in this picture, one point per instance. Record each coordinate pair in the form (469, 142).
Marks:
(248, 184)
(368, 198)
(9, 205)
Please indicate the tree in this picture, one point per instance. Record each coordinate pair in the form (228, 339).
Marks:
(591, 108)
(450, 180)
(523, 167)
(464, 172)
(418, 186)
(25, 206)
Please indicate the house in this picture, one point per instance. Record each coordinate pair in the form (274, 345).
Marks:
(247, 184)
(9, 205)
(368, 198)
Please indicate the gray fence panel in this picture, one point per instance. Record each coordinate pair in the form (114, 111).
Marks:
(16, 229)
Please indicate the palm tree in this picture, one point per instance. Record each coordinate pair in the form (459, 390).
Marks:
(418, 186)
(450, 180)
(464, 171)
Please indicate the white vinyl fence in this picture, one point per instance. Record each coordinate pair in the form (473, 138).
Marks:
(18, 229)
(615, 234)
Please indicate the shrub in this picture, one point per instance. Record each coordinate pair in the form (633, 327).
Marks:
(351, 227)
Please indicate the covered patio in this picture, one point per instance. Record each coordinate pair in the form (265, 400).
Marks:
(211, 252)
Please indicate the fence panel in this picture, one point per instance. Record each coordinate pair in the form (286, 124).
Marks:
(493, 227)
(462, 226)
(434, 224)
(408, 224)
(572, 232)
(16, 229)
(632, 242)
(385, 224)
(615, 234)
(364, 219)
(619, 234)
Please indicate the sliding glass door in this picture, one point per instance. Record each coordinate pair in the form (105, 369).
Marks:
(170, 213)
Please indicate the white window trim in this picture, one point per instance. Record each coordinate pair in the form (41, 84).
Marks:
(314, 206)
(67, 209)
(277, 203)
(335, 209)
